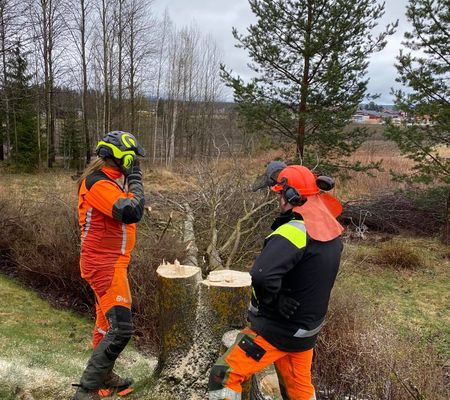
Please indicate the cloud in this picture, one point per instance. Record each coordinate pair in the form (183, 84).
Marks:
(217, 17)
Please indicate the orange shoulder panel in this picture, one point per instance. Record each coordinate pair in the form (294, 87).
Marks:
(103, 195)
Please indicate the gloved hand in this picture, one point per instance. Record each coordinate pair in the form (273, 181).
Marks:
(287, 305)
(134, 173)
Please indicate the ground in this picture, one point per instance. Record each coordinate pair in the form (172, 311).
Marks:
(44, 350)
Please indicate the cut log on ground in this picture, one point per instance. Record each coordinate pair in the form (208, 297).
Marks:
(221, 303)
(189, 237)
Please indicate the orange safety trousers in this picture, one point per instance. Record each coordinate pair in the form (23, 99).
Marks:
(118, 294)
(237, 366)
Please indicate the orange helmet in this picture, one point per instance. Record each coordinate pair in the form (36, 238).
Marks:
(298, 177)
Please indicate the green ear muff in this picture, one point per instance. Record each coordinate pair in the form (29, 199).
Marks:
(127, 161)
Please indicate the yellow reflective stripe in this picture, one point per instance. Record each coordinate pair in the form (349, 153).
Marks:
(291, 233)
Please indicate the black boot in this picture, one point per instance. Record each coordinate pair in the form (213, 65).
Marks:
(83, 394)
(114, 381)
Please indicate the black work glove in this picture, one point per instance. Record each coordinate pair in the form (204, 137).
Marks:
(134, 174)
(287, 305)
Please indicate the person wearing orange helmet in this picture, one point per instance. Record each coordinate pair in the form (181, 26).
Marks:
(292, 280)
(108, 213)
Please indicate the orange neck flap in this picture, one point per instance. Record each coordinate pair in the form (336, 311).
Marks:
(112, 173)
(319, 214)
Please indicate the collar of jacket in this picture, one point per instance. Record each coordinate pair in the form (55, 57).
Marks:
(284, 218)
(112, 173)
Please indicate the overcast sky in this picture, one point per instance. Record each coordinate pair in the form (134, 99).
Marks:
(217, 17)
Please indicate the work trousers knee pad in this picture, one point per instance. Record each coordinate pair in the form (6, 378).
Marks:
(120, 331)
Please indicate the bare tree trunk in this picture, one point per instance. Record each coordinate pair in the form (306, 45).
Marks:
(38, 115)
(171, 154)
(105, 66)
(120, 66)
(158, 85)
(87, 141)
(5, 82)
(304, 87)
(132, 75)
(51, 107)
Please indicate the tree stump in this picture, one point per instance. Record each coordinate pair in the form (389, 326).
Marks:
(213, 306)
(178, 292)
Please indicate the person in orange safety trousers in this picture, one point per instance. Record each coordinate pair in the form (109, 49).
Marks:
(292, 279)
(107, 217)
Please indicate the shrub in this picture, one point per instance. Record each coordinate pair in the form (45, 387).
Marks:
(40, 246)
(357, 355)
(398, 255)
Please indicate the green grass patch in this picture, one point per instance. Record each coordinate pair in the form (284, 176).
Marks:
(408, 280)
(44, 350)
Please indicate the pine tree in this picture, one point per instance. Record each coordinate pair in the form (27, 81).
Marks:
(25, 147)
(425, 137)
(72, 141)
(311, 59)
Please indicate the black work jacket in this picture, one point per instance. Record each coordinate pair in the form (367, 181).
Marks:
(294, 264)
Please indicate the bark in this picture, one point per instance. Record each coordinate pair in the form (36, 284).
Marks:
(5, 95)
(120, 72)
(189, 237)
(51, 80)
(132, 77)
(87, 141)
(105, 68)
(221, 303)
(304, 88)
(178, 291)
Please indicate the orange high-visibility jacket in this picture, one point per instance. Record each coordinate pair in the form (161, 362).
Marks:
(107, 218)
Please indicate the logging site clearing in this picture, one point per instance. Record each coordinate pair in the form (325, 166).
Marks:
(388, 322)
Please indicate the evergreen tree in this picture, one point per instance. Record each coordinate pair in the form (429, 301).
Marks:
(310, 58)
(25, 147)
(72, 146)
(426, 72)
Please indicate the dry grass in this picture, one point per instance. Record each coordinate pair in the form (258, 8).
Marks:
(40, 245)
(398, 255)
(359, 355)
(361, 184)
(385, 333)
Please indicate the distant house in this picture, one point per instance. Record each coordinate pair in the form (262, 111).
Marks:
(367, 117)
(376, 117)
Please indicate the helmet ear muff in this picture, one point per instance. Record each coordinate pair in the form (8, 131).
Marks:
(127, 161)
(325, 183)
(104, 152)
(291, 194)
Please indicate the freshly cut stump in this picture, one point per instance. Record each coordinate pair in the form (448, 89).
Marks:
(178, 293)
(221, 303)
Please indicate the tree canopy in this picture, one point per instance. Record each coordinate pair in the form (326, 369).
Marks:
(310, 58)
(425, 71)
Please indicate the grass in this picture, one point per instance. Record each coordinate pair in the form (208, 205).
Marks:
(44, 350)
(414, 302)
(404, 280)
